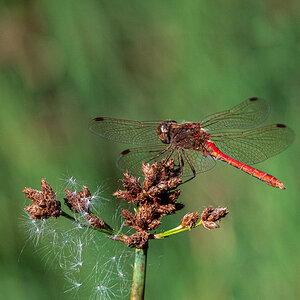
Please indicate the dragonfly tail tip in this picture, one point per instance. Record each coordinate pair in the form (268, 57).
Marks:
(281, 186)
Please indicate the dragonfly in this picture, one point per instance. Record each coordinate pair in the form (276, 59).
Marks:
(231, 136)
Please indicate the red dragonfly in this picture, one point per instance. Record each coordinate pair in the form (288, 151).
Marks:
(230, 136)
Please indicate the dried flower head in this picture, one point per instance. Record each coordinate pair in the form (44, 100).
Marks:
(211, 215)
(190, 219)
(155, 198)
(132, 189)
(137, 240)
(79, 202)
(44, 204)
(97, 222)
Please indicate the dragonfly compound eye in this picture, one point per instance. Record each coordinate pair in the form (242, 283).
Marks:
(163, 129)
(163, 132)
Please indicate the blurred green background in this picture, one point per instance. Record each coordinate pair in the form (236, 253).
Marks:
(65, 62)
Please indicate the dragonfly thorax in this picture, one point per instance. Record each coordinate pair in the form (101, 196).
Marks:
(183, 135)
(190, 136)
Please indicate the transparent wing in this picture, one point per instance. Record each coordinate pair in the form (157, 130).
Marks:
(131, 160)
(247, 114)
(199, 162)
(125, 131)
(254, 145)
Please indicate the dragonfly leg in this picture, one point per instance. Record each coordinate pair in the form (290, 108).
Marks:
(191, 166)
(170, 154)
(161, 152)
(179, 157)
(181, 162)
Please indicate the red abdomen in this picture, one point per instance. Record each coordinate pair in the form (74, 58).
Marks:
(265, 177)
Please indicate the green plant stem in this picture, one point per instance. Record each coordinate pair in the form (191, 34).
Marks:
(66, 215)
(175, 230)
(139, 275)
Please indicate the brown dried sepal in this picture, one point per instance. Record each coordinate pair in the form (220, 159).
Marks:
(79, 202)
(137, 240)
(211, 215)
(44, 204)
(96, 222)
(168, 209)
(190, 220)
(144, 219)
(160, 177)
(132, 189)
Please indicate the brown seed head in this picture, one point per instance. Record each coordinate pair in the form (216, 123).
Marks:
(162, 176)
(156, 197)
(44, 204)
(95, 221)
(190, 219)
(211, 215)
(79, 202)
(132, 189)
(137, 240)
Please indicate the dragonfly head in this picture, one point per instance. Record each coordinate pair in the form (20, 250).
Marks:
(164, 131)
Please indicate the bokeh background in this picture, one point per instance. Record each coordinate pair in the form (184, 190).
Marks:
(65, 62)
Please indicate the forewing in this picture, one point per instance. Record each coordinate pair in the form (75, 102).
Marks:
(254, 145)
(125, 131)
(247, 114)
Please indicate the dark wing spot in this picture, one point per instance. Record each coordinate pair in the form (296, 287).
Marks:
(253, 99)
(125, 152)
(98, 119)
(280, 125)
